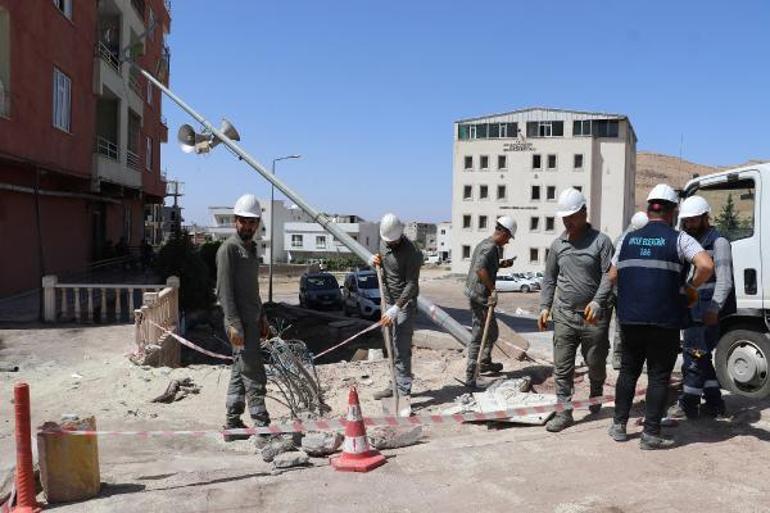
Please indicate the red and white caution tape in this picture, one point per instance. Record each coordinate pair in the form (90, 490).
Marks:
(350, 339)
(191, 345)
(340, 422)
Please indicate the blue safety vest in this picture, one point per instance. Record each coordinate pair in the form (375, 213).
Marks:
(706, 290)
(650, 278)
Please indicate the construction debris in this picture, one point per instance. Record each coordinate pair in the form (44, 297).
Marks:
(177, 390)
(322, 443)
(290, 368)
(503, 395)
(8, 367)
(390, 437)
(276, 445)
(291, 459)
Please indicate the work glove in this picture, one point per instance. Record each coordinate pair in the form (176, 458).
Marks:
(592, 312)
(390, 315)
(692, 295)
(375, 260)
(542, 319)
(235, 336)
(492, 299)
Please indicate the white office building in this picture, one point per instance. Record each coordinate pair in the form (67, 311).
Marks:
(444, 240)
(518, 162)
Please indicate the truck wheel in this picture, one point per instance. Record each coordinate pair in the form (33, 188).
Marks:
(742, 363)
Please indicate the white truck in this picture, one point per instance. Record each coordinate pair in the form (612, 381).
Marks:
(740, 209)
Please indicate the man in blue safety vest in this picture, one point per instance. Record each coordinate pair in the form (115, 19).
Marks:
(716, 298)
(650, 269)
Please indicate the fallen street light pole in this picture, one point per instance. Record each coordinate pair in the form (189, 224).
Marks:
(434, 313)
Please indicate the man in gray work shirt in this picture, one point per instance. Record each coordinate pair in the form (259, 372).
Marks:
(400, 261)
(481, 293)
(245, 323)
(576, 267)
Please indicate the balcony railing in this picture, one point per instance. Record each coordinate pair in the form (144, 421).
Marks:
(108, 55)
(133, 81)
(107, 148)
(133, 161)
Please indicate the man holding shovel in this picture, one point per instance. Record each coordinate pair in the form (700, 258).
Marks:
(399, 262)
(480, 289)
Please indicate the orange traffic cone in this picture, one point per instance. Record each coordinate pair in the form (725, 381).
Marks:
(357, 456)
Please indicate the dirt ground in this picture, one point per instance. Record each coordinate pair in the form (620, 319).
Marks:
(717, 466)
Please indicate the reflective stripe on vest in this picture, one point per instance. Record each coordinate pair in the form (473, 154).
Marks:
(651, 264)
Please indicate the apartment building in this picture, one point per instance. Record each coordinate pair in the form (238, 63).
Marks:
(80, 132)
(517, 163)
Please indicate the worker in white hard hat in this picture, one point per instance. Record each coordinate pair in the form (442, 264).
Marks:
(638, 221)
(245, 322)
(481, 293)
(575, 297)
(400, 261)
(716, 298)
(650, 268)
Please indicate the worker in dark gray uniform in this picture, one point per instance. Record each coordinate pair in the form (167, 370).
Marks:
(245, 323)
(576, 265)
(400, 260)
(481, 293)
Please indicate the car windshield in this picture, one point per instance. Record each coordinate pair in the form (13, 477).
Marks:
(321, 282)
(368, 281)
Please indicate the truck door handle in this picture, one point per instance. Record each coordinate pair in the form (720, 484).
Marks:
(750, 281)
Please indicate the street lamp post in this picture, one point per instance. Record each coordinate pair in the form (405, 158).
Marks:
(272, 224)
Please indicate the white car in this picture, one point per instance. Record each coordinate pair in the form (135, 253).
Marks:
(514, 283)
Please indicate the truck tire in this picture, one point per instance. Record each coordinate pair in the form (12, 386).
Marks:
(742, 361)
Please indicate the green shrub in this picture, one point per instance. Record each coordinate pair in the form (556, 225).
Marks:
(179, 257)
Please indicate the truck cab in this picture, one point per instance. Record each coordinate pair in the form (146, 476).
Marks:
(740, 200)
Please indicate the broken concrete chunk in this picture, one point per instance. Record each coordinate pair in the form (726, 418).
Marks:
(390, 437)
(322, 443)
(504, 395)
(291, 459)
(277, 445)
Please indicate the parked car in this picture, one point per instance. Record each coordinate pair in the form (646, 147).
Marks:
(432, 259)
(515, 283)
(319, 290)
(361, 294)
(536, 277)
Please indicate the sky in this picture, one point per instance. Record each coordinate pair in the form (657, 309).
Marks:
(367, 91)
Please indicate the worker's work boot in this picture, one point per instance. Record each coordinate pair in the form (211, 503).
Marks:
(491, 367)
(714, 411)
(597, 390)
(384, 394)
(235, 424)
(559, 422)
(650, 442)
(617, 432)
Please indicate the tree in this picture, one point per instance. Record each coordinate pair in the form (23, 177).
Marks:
(728, 221)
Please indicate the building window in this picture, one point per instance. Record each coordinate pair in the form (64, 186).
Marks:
(482, 222)
(466, 252)
(62, 101)
(65, 6)
(550, 192)
(443, 231)
(296, 241)
(535, 195)
(148, 154)
(549, 224)
(320, 241)
(578, 161)
(545, 128)
(483, 192)
(468, 162)
(605, 128)
(501, 192)
(466, 221)
(484, 162)
(486, 131)
(536, 162)
(581, 128)
(467, 192)
(551, 161)
(502, 162)
(534, 255)
(534, 224)
(150, 88)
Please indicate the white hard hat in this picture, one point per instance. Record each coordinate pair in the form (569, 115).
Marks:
(247, 206)
(391, 228)
(694, 206)
(639, 220)
(663, 192)
(508, 223)
(570, 201)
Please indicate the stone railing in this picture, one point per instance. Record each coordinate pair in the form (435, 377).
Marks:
(158, 315)
(94, 302)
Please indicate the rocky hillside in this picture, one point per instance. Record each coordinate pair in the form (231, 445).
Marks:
(654, 168)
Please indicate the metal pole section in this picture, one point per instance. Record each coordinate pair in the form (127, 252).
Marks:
(272, 222)
(436, 314)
